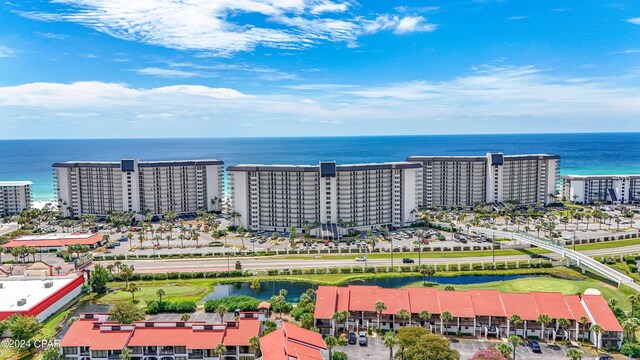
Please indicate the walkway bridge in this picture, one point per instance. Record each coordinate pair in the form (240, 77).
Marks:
(577, 258)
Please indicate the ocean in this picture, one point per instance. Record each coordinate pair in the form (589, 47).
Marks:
(594, 153)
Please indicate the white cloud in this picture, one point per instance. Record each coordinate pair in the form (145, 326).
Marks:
(166, 73)
(488, 99)
(51, 35)
(635, 20)
(6, 51)
(517, 18)
(217, 27)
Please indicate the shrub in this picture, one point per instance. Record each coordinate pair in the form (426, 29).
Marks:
(547, 264)
(272, 272)
(633, 268)
(155, 307)
(244, 303)
(630, 259)
(631, 350)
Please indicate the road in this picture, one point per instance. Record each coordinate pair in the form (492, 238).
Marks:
(261, 263)
(6, 228)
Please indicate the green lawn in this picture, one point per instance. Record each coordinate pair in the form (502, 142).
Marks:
(176, 290)
(608, 244)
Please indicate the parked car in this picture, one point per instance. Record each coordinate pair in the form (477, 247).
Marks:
(353, 339)
(262, 241)
(407, 261)
(535, 346)
(361, 258)
(112, 246)
(362, 339)
(603, 357)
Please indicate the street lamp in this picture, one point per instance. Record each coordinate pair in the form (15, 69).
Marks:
(493, 247)
(228, 260)
(574, 240)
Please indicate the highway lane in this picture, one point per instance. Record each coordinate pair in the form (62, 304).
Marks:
(261, 263)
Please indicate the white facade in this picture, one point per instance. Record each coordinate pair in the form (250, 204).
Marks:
(360, 196)
(15, 196)
(97, 188)
(587, 189)
(466, 181)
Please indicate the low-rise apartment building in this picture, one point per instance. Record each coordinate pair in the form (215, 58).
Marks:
(473, 312)
(15, 196)
(293, 342)
(589, 189)
(468, 181)
(359, 196)
(92, 336)
(98, 188)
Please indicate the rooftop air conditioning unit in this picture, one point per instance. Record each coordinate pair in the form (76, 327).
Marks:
(22, 302)
(48, 284)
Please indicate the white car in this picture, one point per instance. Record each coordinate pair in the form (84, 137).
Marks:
(361, 258)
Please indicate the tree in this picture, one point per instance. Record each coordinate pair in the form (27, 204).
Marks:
(379, 308)
(390, 340)
(221, 310)
(514, 341)
(126, 354)
(23, 327)
(446, 317)
(424, 315)
(220, 349)
(292, 235)
(99, 278)
(160, 293)
(515, 320)
(255, 285)
(403, 314)
(185, 317)
(630, 326)
(545, 320)
(426, 271)
(126, 272)
(254, 343)
(52, 353)
(597, 330)
(564, 324)
(489, 354)
(449, 288)
(505, 349)
(583, 321)
(125, 313)
(133, 288)
(341, 317)
(330, 342)
(431, 346)
(574, 354)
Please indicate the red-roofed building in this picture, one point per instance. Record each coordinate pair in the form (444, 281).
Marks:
(94, 337)
(292, 342)
(474, 312)
(51, 242)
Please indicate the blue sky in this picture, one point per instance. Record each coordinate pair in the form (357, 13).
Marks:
(194, 68)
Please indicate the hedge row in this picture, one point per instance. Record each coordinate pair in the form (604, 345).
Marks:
(184, 275)
(181, 307)
(243, 303)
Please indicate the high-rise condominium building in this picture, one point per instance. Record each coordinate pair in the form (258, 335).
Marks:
(97, 188)
(362, 196)
(15, 196)
(587, 189)
(467, 181)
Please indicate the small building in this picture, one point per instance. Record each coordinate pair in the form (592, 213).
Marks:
(265, 308)
(473, 312)
(40, 297)
(293, 342)
(39, 268)
(93, 336)
(613, 189)
(55, 242)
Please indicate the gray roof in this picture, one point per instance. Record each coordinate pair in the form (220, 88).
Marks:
(108, 164)
(316, 168)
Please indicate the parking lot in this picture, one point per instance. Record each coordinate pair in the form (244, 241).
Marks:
(466, 347)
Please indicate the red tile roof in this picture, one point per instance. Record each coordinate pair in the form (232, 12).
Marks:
(424, 299)
(204, 339)
(552, 304)
(578, 311)
(393, 299)
(264, 305)
(292, 341)
(362, 298)
(240, 335)
(458, 303)
(327, 296)
(523, 305)
(157, 336)
(487, 302)
(82, 333)
(601, 312)
(343, 299)
(94, 239)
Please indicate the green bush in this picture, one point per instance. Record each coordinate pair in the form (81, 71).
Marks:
(630, 349)
(630, 259)
(244, 303)
(633, 268)
(181, 307)
(547, 264)
(272, 272)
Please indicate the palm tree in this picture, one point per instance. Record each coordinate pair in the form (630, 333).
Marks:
(341, 317)
(141, 239)
(583, 321)
(390, 340)
(255, 285)
(514, 341)
(220, 311)
(630, 326)
(424, 315)
(403, 314)
(574, 354)
(330, 341)
(446, 317)
(516, 320)
(634, 300)
(426, 271)
(126, 354)
(254, 343)
(133, 288)
(160, 294)
(379, 308)
(564, 325)
(130, 237)
(545, 320)
(168, 238)
(181, 237)
(597, 330)
(219, 350)
(185, 317)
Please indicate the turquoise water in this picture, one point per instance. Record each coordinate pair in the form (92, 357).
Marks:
(581, 153)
